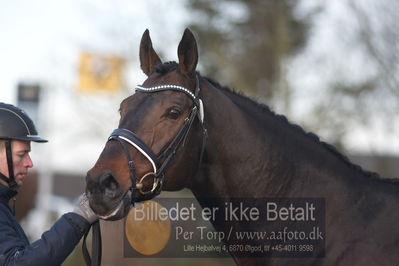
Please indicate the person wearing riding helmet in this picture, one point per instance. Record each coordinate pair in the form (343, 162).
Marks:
(17, 131)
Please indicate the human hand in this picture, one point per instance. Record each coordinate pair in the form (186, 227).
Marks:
(84, 210)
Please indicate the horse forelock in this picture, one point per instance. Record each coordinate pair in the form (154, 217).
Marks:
(166, 67)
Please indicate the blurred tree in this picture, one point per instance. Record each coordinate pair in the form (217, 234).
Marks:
(358, 72)
(378, 33)
(245, 43)
(344, 53)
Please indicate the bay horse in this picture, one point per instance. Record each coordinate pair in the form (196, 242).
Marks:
(187, 131)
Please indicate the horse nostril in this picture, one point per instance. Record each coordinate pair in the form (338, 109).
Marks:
(108, 185)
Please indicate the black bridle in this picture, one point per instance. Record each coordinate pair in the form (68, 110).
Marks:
(159, 163)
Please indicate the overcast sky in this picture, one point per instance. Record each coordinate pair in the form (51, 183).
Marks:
(40, 39)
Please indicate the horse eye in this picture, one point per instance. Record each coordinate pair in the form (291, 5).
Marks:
(174, 113)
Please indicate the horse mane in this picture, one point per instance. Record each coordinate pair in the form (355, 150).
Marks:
(172, 65)
(329, 147)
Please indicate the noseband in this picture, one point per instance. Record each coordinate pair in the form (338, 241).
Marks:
(158, 163)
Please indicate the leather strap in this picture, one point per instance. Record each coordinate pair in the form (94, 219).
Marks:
(4, 178)
(179, 139)
(132, 168)
(10, 180)
(133, 139)
(96, 248)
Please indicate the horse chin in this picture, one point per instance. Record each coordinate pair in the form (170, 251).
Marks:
(120, 211)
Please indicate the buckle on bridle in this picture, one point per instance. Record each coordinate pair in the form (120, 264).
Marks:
(156, 182)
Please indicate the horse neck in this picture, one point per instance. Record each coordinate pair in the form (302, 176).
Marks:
(251, 152)
(260, 155)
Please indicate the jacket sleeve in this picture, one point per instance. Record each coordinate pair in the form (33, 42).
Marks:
(53, 247)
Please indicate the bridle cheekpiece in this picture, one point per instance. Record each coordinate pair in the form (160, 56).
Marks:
(160, 162)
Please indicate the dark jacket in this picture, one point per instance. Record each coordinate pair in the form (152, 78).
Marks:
(52, 248)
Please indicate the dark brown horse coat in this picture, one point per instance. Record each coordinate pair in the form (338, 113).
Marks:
(250, 152)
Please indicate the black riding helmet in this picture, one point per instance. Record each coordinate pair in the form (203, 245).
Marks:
(15, 124)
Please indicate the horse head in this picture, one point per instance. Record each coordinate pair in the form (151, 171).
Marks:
(160, 127)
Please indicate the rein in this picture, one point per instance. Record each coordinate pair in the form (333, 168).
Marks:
(159, 163)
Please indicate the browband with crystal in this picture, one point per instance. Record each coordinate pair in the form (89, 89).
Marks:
(167, 87)
(196, 100)
(160, 162)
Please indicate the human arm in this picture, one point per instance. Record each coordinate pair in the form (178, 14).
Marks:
(52, 248)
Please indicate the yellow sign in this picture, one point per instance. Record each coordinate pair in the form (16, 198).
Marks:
(100, 73)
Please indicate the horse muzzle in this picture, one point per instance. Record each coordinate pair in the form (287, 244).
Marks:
(121, 210)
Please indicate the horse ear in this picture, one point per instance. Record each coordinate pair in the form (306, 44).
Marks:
(148, 57)
(187, 53)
